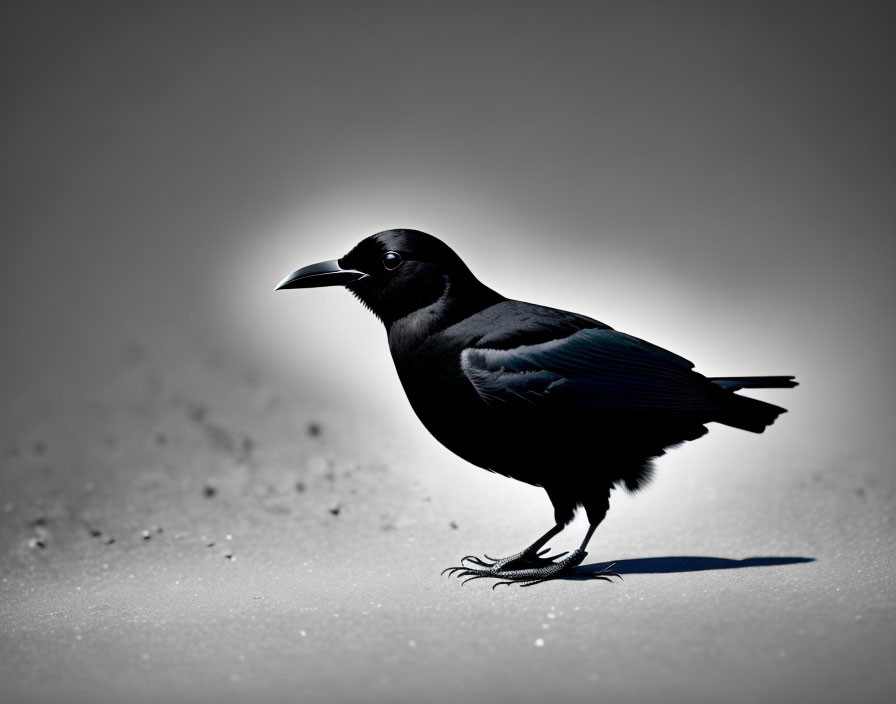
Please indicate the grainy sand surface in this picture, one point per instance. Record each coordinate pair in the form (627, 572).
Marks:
(267, 549)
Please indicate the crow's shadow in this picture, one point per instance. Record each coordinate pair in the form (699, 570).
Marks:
(688, 563)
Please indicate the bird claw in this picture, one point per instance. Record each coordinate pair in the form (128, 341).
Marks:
(606, 573)
(479, 561)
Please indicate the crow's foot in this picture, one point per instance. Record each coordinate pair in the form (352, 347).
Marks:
(527, 559)
(526, 569)
(487, 566)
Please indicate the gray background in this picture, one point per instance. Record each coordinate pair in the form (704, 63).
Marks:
(715, 177)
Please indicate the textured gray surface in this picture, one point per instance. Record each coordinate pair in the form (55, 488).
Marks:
(351, 607)
(718, 181)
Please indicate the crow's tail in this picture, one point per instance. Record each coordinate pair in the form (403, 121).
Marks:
(749, 413)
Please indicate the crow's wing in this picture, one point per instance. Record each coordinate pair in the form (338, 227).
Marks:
(590, 369)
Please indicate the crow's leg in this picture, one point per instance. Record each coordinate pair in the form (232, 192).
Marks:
(536, 569)
(564, 505)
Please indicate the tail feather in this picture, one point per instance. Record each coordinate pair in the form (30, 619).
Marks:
(736, 383)
(750, 413)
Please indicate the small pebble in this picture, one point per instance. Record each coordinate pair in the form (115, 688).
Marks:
(539, 642)
(335, 509)
(146, 535)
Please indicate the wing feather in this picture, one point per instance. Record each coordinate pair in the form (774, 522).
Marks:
(594, 368)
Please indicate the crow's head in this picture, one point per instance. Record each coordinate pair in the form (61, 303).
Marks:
(394, 273)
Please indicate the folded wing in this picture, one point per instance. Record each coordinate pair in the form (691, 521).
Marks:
(590, 369)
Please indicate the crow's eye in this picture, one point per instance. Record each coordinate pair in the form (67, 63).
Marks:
(391, 260)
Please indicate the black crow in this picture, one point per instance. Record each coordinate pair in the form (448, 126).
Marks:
(552, 398)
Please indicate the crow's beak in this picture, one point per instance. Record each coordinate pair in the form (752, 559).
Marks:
(323, 274)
